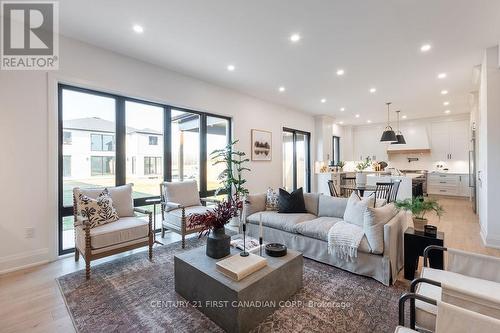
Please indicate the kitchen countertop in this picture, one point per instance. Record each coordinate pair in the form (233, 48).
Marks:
(449, 172)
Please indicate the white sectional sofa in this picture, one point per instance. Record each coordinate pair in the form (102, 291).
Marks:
(308, 233)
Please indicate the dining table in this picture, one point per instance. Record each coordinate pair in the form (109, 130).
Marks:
(359, 189)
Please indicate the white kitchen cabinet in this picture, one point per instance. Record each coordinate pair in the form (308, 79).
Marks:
(367, 144)
(450, 140)
(464, 189)
(448, 184)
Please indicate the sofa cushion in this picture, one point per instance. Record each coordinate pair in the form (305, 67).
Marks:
(280, 221)
(291, 202)
(255, 203)
(121, 196)
(373, 225)
(331, 206)
(311, 201)
(175, 216)
(184, 193)
(356, 208)
(124, 230)
(319, 228)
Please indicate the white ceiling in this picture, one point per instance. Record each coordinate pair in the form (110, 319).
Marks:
(376, 42)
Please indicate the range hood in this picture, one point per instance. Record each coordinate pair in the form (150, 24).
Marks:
(417, 141)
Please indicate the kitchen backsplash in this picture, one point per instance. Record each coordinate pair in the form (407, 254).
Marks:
(425, 162)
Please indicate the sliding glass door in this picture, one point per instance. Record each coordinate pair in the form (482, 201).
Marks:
(108, 140)
(296, 160)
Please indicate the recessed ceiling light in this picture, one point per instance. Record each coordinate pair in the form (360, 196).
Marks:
(323, 100)
(231, 68)
(341, 122)
(425, 47)
(340, 72)
(447, 111)
(373, 90)
(137, 28)
(281, 89)
(294, 38)
(368, 121)
(446, 103)
(442, 76)
(342, 109)
(404, 117)
(357, 116)
(444, 92)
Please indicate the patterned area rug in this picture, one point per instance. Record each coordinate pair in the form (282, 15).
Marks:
(122, 296)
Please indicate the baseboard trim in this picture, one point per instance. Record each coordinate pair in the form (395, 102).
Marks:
(490, 241)
(24, 260)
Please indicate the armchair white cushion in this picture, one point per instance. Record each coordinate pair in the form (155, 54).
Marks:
(175, 216)
(124, 230)
(184, 193)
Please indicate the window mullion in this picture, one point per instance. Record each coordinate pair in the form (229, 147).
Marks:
(121, 133)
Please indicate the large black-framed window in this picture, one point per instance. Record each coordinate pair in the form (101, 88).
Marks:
(115, 140)
(336, 149)
(296, 159)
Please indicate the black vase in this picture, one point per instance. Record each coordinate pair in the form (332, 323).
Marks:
(218, 243)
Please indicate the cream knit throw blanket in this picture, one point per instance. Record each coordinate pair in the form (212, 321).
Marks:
(344, 239)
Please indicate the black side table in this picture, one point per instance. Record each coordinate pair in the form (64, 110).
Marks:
(414, 244)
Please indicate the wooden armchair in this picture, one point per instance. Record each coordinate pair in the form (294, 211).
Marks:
(179, 200)
(127, 233)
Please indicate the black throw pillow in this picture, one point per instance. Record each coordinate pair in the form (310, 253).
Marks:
(291, 202)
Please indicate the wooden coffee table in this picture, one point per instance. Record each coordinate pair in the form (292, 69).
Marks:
(237, 306)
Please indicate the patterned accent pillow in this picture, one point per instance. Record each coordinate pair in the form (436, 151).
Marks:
(97, 211)
(271, 199)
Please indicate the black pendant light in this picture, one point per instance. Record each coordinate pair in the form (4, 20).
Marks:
(389, 135)
(399, 135)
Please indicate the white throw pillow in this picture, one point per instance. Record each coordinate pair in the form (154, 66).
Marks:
(374, 221)
(272, 199)
(97, 211)
(356, 208)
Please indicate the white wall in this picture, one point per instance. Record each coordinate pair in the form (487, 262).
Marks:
(489, 148)
(28, 132)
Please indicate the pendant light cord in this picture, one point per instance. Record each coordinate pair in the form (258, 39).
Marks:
(388, 115)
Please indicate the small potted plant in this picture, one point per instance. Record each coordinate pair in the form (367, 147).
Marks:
(341, 165)
(419, 207)
(360, 175)
(212, 224)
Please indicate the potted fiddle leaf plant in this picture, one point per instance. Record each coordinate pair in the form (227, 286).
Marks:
(360, 175)
(211, 224)
(232, 181)
(419, 207)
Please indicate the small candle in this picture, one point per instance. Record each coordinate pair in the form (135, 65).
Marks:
(260, 225)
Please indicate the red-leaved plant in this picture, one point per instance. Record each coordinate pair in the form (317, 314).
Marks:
(216, 218)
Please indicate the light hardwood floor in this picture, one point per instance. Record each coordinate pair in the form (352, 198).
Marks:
(30, 300)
